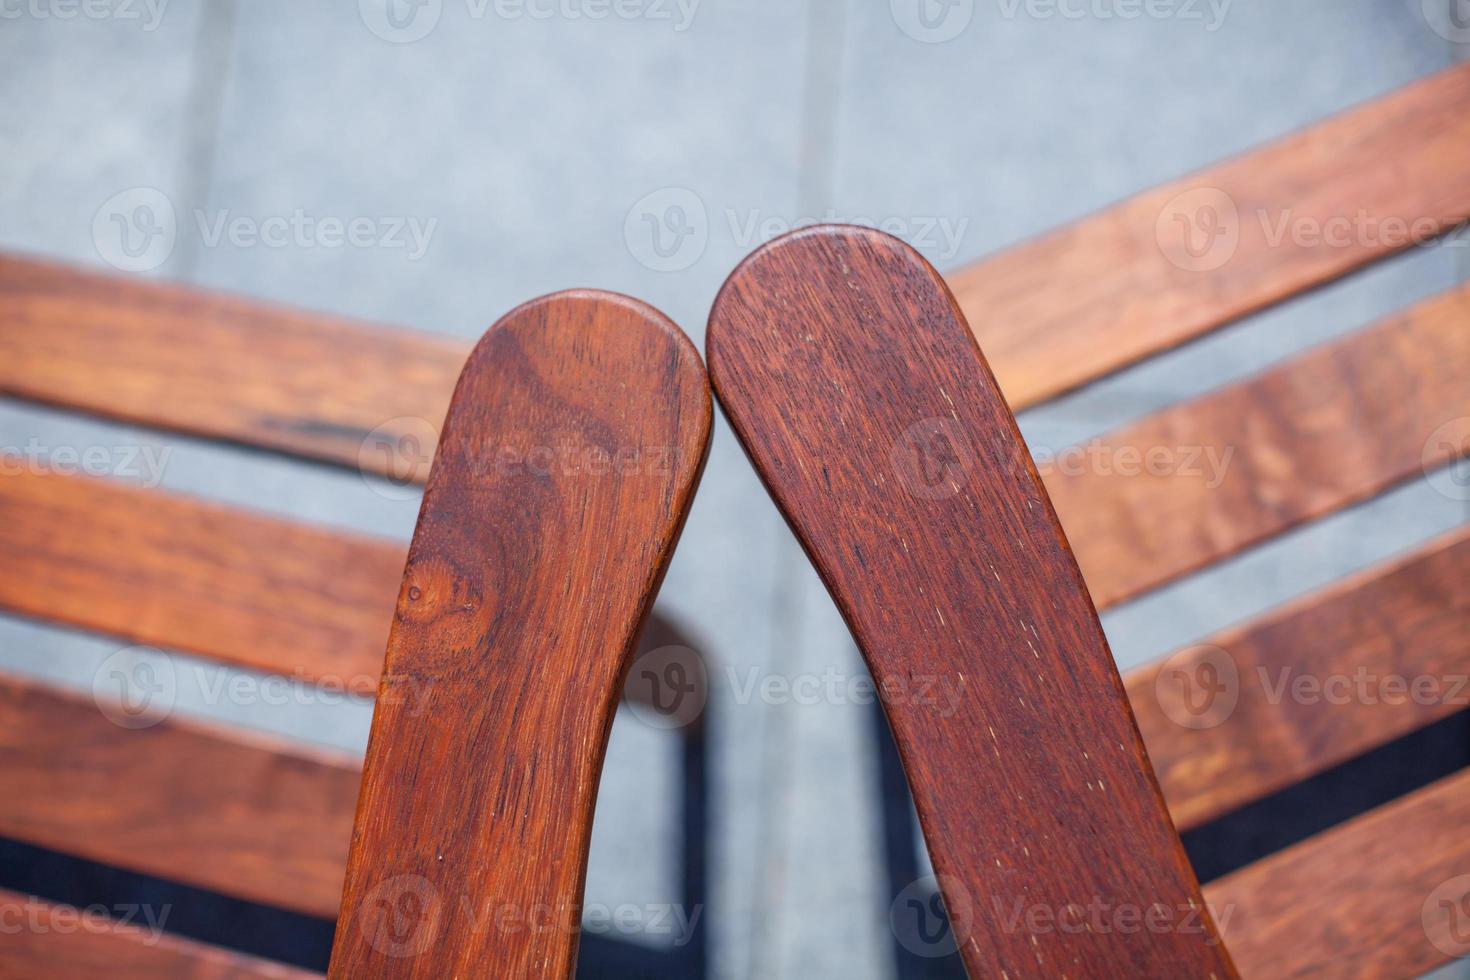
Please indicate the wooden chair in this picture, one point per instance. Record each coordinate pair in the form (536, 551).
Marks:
(854, 382)
(270, 821)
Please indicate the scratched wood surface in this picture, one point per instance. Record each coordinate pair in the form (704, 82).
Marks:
(523, 594)
(43, 939)
(225, 367)
(243, 814)
(856, 388)
(1385, 895)
(1204, 479)
(1258, 707)
(1097, 295)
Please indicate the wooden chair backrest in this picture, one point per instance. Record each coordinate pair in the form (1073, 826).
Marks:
(270, 821)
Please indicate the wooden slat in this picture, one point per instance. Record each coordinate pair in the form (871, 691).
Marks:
(225, 583)
(857, 390)
(1100, 294)
(223, 809)
(221, 366)
(1350, 902)
(1333, 426)
(1405, 624)
(1064, 309)
(43, 939)
(522, 600)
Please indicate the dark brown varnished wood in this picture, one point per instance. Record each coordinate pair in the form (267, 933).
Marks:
(217, 807)
(44, 939)
(524, 591)
(225, 367)
(858, 391)
(1314, 434)
(225, 583)
(1362, 901)
(1257, 707)
(1111, 289)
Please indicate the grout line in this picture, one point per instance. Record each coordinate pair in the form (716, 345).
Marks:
(204, 112)
(816, 165)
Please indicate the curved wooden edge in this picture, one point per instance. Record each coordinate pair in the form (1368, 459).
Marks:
(1256, 708)
(219, 808)
(1206, 479)
(1105, 292)
(523, 594)
(45, 939)
(856, 387)
(224, 367)
(1384, 895)
(241, 587)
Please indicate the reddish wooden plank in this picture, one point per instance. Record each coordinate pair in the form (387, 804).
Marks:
(857, 389)
(1205, 479)
(175, 572)
(44, 939)
(225, 583)
(224, 367)
(1315, 683)
(223, 809)
(522, 598)
(1385, 895)
(1095, 296)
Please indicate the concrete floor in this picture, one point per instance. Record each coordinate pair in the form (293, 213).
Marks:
(530, 149)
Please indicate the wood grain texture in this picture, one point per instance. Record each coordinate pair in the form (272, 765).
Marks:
(857, 389)
(224, 367)
(1362, 900)
(1205, 479)
(44, 939)
(227, 584)
(1095, 296)
(223, 809)
(524, 592)
(1310, 685)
